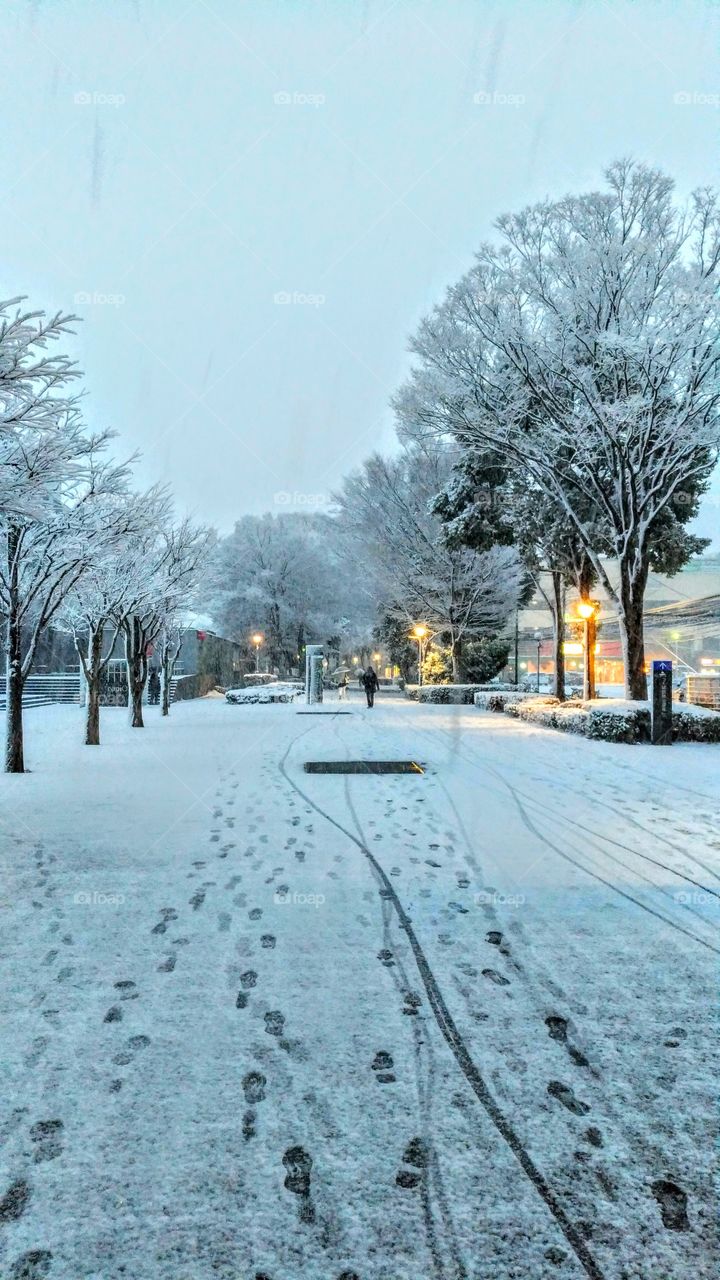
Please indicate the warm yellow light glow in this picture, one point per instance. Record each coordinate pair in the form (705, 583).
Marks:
(376, 657)
(419, 631)
(571, 646)
(356, 660)
(257, 638)
(585, 608)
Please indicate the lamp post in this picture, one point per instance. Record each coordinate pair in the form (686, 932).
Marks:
(587, 610)
(418, 633)
(539, 640)
(257, 640)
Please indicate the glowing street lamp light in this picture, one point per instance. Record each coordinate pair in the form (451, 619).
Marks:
(419, 633)
(257, 640)
(587, 610)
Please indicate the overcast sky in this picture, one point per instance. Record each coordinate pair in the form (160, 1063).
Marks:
(252, 202)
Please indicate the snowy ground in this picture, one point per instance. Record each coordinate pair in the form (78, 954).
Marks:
(260, 1023)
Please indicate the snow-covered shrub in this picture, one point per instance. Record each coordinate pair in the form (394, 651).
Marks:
(446, 694)
(696, 724)
(615, 724)
(497, 699)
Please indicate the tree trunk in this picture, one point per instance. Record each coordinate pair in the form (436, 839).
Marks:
(136, 661)
(558, 617)
(14, 754)
(92, 680)
(165, 696)
(457, 663)
(630, 618)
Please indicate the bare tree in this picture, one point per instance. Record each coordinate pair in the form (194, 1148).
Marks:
(586, 348)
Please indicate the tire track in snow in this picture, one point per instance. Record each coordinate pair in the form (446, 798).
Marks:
(527, 820)
(457, 1045)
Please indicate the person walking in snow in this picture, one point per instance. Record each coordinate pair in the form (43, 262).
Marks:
(343, 687)
(154, 688)
(371, 684)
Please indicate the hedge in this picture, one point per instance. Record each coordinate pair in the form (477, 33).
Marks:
(615, 723)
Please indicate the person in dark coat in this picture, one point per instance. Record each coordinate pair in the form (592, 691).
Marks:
(154, 687)
(371, 685)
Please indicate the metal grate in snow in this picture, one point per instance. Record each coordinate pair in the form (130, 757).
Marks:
(363, 766)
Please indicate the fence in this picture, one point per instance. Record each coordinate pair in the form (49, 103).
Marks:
(42, 690)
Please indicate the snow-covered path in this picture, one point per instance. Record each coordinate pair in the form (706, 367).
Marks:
(262, 1023)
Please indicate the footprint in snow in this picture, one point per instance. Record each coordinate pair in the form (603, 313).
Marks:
(416, 1155)
(274, 1022)
(197, 899)
(675, 1037)
(494, 937)
(248, 979)
(456, 906)
(168, 914)
(431, 863)
(14, 1203)
(127, 1056)
(47, 1137)
(495, 977)
(114, 1014)
(268, 941)
(127, 989)
(298, 1166)
(33, 1055)
(673, 1205)
(33, 1265)
(566, 1096)
(254, 1087)
(168, 964)
(386, 957)
(255, 914)
(382, 1065)
(224, 920)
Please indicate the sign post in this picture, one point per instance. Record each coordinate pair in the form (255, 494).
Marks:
(661, 705)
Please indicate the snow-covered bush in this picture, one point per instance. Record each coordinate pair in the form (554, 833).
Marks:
(617, 724)
(498, 698)
(277, 692)
(696, 724)
(445, 694)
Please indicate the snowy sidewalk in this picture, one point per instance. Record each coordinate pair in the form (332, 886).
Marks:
(261, 1023)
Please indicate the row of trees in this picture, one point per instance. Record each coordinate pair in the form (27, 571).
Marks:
(574, 371)
(285, 576)
(79, 548)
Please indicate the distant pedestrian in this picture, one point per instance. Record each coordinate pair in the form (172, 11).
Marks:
(371, 684)
(361, 677)
(154, 688)
(343, 687)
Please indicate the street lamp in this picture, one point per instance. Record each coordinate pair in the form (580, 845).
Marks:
(539, 639)
(257, 640)
(587, 610)
(419, 633)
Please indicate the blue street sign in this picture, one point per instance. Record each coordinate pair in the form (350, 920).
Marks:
(663, 664)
